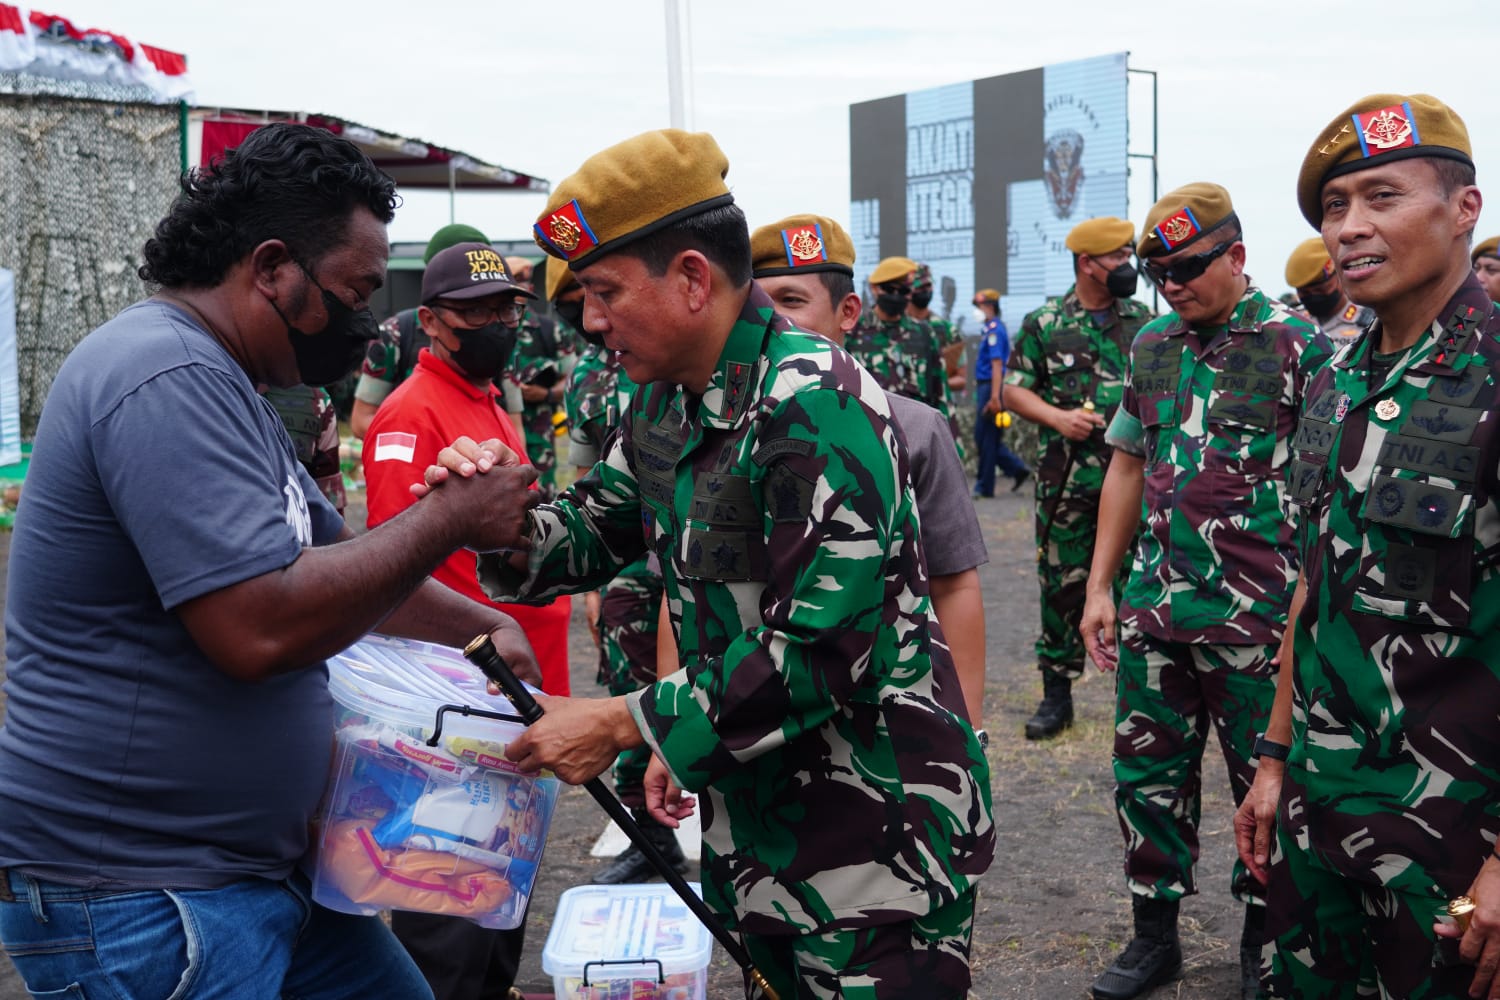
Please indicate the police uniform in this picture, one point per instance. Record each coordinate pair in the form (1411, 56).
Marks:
(845, 800)
(1310, 265)
(1070, 356)
(1391, 797)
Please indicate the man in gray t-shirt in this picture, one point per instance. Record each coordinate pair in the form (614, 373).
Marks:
(176, 582)
(805, 263)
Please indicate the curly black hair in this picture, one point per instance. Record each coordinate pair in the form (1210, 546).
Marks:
(291, 182)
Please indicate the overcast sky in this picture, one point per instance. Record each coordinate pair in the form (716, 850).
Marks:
(537, 87)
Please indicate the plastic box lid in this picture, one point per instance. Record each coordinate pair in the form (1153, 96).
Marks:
(610, 922)
(403, 682)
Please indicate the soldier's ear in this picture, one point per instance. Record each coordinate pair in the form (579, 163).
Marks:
(848, 312)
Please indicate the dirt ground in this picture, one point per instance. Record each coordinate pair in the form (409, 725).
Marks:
(1053, 910)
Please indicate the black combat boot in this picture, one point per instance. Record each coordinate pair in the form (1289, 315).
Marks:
(1251, 939)
(630, 865)
(1152, 958)
(1055, 713)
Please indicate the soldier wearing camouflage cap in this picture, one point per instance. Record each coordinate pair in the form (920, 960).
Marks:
(850, 803)
(1389, 799)
(1486, 259)
(1201, 443)
(904, 354)
(1067, 374)
(1310, 272)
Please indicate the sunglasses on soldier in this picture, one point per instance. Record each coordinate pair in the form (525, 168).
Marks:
(1184, 269)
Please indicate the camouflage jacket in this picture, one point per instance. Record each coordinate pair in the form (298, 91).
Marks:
(904, 355)
(545, 353)
(1214, 420)
(1396, 754)
(817, 711)
(385, 364)
(598, 395)
(308, 414)
(1064, 356)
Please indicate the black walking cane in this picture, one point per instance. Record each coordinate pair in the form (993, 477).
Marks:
(482, 653)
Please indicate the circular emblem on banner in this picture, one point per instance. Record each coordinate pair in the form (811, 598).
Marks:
(1062, 170)
(1389, 500)
(1388, 409)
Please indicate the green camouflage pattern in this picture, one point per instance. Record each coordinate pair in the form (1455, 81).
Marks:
(1213, 413)
(598, 394)
(1393, 778)
(383, 367)
(904, 355)
(818, 713)
(1166, 695)
(308, 413)
(533, 360)
(1067, 358)
(927, 957)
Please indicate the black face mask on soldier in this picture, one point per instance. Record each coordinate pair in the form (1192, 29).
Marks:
(920, 299)
(484, 351)
(1120, 282)
(571, 313)
(892, 303)
(1322, 306)
(333, 352)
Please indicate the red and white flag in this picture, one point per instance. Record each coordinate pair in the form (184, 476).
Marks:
(395, 446)
(17, 38)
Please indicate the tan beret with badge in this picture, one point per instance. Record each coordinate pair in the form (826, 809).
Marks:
(1487, 248)
(1104, 235)
(1182, 216)
(1375, 130)
(559, 279)
(799, 244)
(630, 190)
(1309, 263)
(892, 269)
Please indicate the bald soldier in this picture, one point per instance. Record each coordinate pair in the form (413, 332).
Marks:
(1067, 374)
(1389, 794)
(1486, 260)
(816, 710)
(1310, 272)
(1201, 443)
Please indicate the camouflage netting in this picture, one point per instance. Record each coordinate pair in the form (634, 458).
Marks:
(82, 184)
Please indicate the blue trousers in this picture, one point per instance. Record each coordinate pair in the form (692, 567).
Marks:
(251, 940)
(992, 451)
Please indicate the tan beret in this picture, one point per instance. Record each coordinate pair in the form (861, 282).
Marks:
(800, 244)
(1488, 248)
(1182, 216)
(988, 295)
(1309, 263)
(1100, 236)
(559, 279)
(892, 269)
(1379, 129)
(630, 190)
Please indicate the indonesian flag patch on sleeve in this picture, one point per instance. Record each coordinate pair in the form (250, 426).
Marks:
(395, 446)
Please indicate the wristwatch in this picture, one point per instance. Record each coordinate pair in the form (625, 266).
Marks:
(1269, 748)
(984, 739)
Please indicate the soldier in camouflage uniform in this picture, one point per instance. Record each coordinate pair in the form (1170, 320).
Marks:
(1201, 443)
(545, 354)
(1309, 270)
(1383, 748)
(623, 615)
(391, 356)
(950, 340)
(904, 355)
(1486, 260)
(307, 412)
(816, 708)
(1067, 375)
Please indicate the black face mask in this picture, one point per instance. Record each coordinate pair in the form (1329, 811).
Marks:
(334, 351)
(891, 303)
(1120, 282)
(571, 313)
(483, 352)
(1322, 306)
(920, 299)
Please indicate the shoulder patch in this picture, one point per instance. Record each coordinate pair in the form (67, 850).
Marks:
(788, 496)
(772, 450)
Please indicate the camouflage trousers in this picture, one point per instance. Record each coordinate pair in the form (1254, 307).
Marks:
(922, 959)
(1167, 695)
(1329, 937)
(627, 662)
(1063, 571)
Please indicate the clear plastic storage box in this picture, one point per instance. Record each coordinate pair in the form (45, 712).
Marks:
(449, 828)
(627, 942)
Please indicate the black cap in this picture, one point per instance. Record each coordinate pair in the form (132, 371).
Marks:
(468, 271)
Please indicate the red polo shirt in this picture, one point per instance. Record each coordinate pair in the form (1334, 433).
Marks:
(425, 414)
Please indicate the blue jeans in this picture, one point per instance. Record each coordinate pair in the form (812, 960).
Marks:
(992, 450)
(251, 940)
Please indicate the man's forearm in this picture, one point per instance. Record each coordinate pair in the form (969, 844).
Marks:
(1027, 405)
(1279, 725)
(958, 602)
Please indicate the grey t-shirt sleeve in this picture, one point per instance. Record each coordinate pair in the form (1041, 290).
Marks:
(199, 473)
(951, 537)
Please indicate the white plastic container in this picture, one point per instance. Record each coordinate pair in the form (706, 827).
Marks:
(627, 942)
(452, 828)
